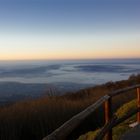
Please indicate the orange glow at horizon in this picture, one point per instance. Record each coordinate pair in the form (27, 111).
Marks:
(69, 47)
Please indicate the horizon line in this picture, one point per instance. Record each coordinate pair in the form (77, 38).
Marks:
(68, 59)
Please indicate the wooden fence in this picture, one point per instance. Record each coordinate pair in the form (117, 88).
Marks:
(111, 119)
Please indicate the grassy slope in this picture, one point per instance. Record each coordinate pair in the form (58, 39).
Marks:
(119, 130)
(36, 118)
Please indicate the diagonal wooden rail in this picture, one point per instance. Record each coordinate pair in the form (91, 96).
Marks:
(110, 120)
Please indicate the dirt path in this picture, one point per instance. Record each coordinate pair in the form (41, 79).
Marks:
(133, 134)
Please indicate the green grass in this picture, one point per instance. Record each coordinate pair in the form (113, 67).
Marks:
(119, 130)
(89, 136)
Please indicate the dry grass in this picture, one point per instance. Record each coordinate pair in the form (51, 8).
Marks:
(34, 119)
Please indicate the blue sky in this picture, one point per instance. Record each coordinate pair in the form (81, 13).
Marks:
(69, 29)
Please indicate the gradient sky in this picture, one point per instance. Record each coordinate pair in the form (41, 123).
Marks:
(69, 29)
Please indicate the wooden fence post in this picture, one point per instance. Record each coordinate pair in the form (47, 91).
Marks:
(138, 104)
(108, 116)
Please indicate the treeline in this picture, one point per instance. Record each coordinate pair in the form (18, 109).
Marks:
(34, 119)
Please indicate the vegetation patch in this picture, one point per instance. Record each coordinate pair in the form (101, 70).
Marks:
(34, 119)
(119, 130)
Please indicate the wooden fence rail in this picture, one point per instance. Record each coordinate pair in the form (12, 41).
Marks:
(110, 120)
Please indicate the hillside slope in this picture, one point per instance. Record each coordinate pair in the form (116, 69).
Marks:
(34, 119)
(119, 130)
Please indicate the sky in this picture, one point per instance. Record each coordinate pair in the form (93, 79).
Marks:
(69, 29)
